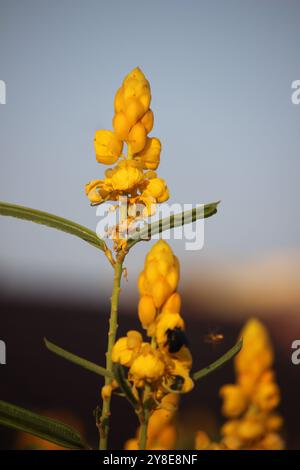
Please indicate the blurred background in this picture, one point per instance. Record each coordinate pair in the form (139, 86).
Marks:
(221, 75)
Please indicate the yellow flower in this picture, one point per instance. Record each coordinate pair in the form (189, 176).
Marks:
(235, 401)
(157, 188)
(98, 190)
(147, 365)
(126, 348)
(108, 147)
(150, 155)
(126, 176)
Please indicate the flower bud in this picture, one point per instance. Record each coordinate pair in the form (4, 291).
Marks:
(150, 154)
(121, 125)
(108, 147)
(234, 400)
(147, 367)
(148, 120)
(146, 310)
(134, 110)
(137, 138)
(119, 101)
(161, 291)
(173, 304)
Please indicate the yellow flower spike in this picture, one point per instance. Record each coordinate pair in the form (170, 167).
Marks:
(121, 125)
(137, 138)
(256, 355)
(234, 400)
(150, 155)
(108, 147)
(146, 310)
(254, 397)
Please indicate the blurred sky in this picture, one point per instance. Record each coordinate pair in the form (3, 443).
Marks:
(221, 75)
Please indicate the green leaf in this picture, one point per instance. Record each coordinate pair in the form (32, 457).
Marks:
(118, 371)
(91, 366)
(175, 220)
(24, 420)
(219, 362)
(50, 220)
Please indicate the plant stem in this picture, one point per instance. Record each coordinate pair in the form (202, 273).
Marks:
(143, 431)
(113, 325)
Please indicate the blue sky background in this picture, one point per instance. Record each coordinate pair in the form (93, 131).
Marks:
(221, 75)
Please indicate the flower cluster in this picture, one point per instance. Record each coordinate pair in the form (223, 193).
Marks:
(164, 363)
(133, 176)
(250, 403)
(162, 432)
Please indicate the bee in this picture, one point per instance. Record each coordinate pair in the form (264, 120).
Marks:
(175, 339)
(214, 338)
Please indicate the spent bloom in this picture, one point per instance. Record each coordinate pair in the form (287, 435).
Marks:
(133, 175)
(250, 404)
